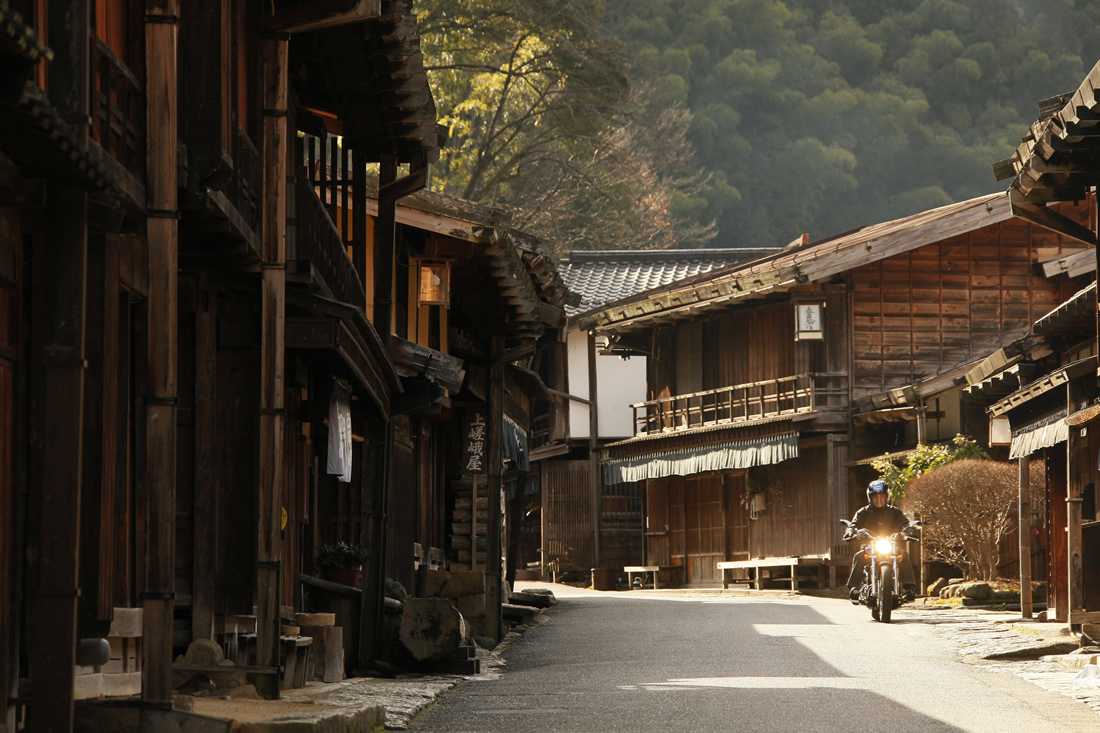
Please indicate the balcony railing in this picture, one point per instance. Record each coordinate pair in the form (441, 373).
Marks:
(319, 243)
(118, 109)
(740, 403)
(245, 187)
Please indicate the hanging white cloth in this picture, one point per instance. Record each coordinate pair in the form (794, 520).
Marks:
(339, 432)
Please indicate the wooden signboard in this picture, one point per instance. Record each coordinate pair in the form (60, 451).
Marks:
(475, 435)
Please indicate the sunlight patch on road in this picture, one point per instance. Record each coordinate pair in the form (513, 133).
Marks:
(758, 683)
(789, 630)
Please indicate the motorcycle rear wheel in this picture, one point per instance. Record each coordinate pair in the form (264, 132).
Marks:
(885, 595)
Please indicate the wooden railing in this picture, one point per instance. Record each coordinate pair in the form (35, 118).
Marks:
(320, 244)
(118, 109)
(245, 189)
(741, 403)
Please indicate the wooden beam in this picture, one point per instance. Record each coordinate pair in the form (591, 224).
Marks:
(158, 590)
(1049, 219)
(322, 14)
(413, 182)
(57, 414)
(272, 364)
(494, 460)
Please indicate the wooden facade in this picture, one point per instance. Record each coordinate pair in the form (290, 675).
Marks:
(177, 305)
(907, 308)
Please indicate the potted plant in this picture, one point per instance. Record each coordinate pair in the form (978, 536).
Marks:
(341, 562)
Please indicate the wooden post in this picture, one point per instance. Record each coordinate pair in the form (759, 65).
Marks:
(273, 355)
(205, 499)
(593, 440)
(384, 229)
(494, 460)
(56, 457)
(473, 523)
(1075, 584)
(161, 39)
(1025, 537)
(375, 469)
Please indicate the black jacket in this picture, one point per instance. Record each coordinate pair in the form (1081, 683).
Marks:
(881, 522)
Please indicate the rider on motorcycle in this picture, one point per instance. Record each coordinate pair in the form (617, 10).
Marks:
(881, 520)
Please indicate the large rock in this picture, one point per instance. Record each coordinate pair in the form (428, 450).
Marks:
(431, 628)
(935, 588)
(435, 580)
(464, 583)
(978, 591)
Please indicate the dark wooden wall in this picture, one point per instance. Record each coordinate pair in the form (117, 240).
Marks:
(622, 523)
(568, 508)
(698, 355)
(797, 520)
(939, 306)
(11, 264)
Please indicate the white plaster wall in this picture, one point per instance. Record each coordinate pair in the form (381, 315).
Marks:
(619, 384)
(577, 363)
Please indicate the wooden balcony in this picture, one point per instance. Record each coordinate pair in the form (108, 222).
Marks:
(118, 110)
(321, 249)
(245, 188)
(742, 403)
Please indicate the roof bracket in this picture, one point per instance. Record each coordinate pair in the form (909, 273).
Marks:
(1050, 219)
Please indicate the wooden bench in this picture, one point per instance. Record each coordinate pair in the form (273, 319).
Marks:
(632, 570)
(794, 563)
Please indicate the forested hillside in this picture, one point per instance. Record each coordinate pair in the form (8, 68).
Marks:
(824, 115)
(811, 116)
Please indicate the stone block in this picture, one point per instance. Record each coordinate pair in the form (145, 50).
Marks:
(471, 606)
(126, 623)
(468, 583)
(434, 582)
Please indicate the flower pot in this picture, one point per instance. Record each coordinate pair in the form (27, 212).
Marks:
(345, 576)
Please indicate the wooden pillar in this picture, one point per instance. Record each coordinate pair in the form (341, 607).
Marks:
(1025, 537)
(495, 464)
(594, 482)
(384, 229)
(205, 511)
(272, 365)
(1075, 580)
(60, 274)
(161, 39)
(375, 452)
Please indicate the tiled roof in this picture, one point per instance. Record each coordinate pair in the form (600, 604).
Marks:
(606, 276)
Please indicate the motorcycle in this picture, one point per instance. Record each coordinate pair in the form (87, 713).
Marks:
(881, 590)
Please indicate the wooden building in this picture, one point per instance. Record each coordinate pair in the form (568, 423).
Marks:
(478, 316)
(585, 523)
(1054, 413)
(772, 384)
(177, 303)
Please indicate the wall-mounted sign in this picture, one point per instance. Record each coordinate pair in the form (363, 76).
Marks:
(808, 322)
(475, 442)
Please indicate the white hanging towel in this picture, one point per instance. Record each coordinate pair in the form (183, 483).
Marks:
(339, 432)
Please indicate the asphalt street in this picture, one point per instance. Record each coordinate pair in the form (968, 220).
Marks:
(649, 661)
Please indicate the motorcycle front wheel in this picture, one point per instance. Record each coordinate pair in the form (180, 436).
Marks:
(885, 594)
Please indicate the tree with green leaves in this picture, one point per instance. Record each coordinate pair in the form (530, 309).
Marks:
(542, 117)
(821, 116)
(923, 459)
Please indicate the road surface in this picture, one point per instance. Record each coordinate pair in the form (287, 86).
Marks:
(652, 661)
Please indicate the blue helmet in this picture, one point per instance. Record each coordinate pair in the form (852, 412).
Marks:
(877, 487)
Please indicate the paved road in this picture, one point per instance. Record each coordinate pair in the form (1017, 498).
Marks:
(648, 661)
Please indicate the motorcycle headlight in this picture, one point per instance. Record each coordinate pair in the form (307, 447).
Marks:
(884, 547)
